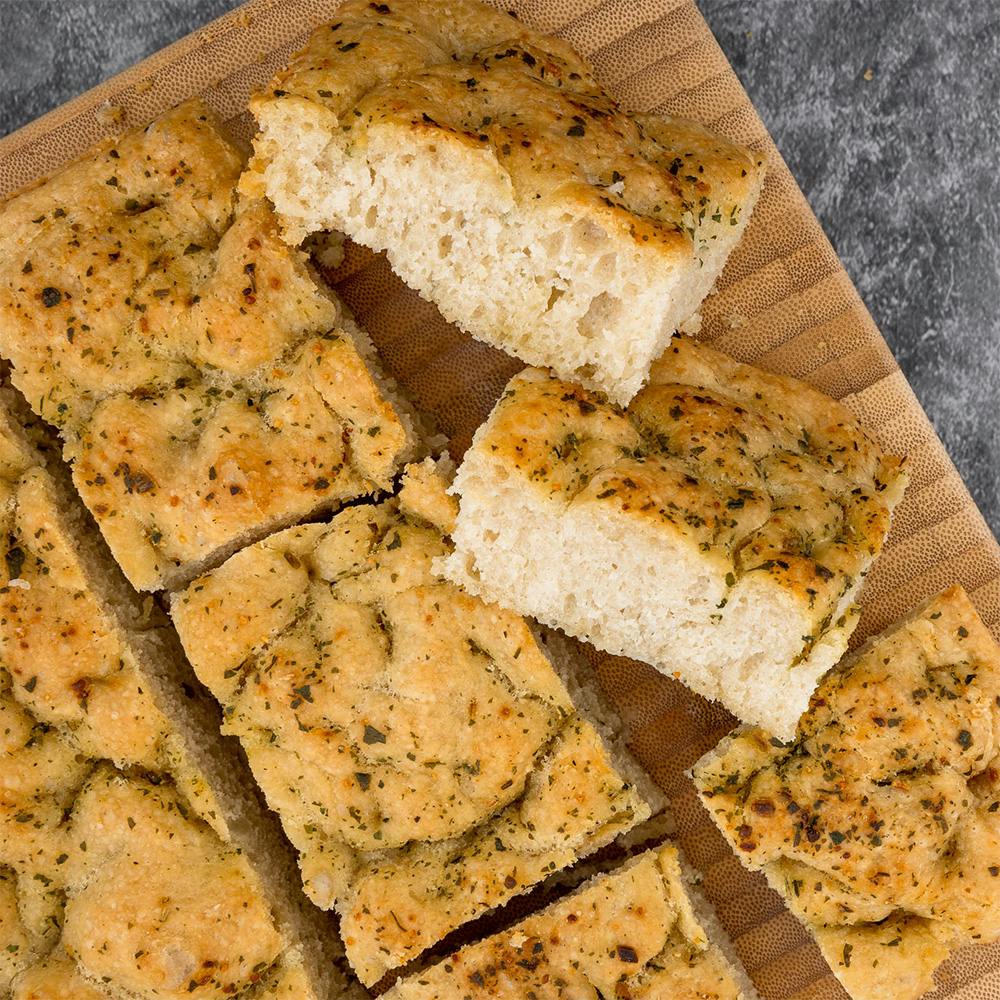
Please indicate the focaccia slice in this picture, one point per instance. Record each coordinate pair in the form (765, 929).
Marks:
(719, 528)
(505, 185)
(879, 822)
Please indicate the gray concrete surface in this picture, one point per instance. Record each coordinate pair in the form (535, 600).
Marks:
(887, 111)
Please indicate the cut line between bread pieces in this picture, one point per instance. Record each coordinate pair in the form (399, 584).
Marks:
(135, 862)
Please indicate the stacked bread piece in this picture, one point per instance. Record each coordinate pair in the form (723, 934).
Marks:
(504, 183)
(719, 527)
(135, 860)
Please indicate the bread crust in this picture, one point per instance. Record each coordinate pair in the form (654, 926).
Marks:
(422, 754)
(207, 388)
(760, 472)
(460, 85)
(878, 823)
(632, 932)
(439, 68)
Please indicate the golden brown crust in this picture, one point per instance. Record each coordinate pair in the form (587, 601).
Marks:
(105, 216)
(631, 933)
(89, 683)
(879, 822)
(131, 878)
(758, 473)
(421, 495)
(67, 666)
(157, 903)
(206, 387)
(463, 73)
(423, 755)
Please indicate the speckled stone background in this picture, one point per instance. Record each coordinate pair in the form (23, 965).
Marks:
(887, 111)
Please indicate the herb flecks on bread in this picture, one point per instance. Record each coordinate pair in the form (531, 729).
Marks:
(133, 862)
(631, 933)
(207, 388)
(423, 755)
(719, 527)
(504, 183)
(879, 822)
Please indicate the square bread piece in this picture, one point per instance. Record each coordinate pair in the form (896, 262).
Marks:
(423, 755)
(505, 185)
(133, 863)
(719, 528)
(207, 389)
(635, 932)
(879, 823)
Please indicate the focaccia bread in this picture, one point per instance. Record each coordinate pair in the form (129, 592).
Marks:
(719, 528)
(879, 823)
(632, 933)
(171, 882)
(505, 185)
(423, 755)
(207, 389)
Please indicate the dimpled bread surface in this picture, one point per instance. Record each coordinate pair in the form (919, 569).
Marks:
(879, 822)
(505, 185)
(120, 873)
(423, 754)
(207, 389)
